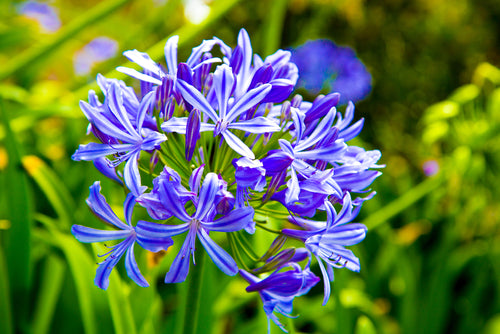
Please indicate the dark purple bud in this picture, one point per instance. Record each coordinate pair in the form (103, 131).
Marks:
(261, 76)
(321, 106)
(153, 161)
(276, 181)
(168, 111)
(192, 132)
(277, 261)
(275, 247)
(184, 73)
(208, 82)
(236, 59)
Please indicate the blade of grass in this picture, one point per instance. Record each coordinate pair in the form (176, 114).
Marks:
(55, 190)
(400, 204)
(50, 289)
(17, 247)
(119, 304)
(82, 268)
(6, 314)
(41, 52)
(274, 27)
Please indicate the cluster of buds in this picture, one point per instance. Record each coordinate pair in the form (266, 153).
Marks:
(223, 148)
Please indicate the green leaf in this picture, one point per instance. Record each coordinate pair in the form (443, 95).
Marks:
(19, 214)
(6, 313)
(119, 303)
(82, 268)
(52, 187)
(52, 280)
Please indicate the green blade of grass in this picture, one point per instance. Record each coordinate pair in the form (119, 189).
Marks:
(17, 246)
(53, 188)
(400, 204)
(6, 314)
(82, 269)
(41, 52)
(119, 303)
(51, 283)
(274, 26)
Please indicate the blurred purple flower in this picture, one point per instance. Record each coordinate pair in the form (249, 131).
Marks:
(96, 51)
(430, 167)
(324, 65)
(45, 14)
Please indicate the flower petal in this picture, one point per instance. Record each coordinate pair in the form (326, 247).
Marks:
(133, 269)
(180, 267)
(247, 101)
(138, 75)
(234, 221)
(223, 85)
(206, 196)
(237, 145)
(196, 99)
(147, 229)
(97, 203)
(256, 125)
(171, 54)
(218, 255)
(88, 234)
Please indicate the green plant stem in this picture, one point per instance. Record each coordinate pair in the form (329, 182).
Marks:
(193, 296)
(41, 52)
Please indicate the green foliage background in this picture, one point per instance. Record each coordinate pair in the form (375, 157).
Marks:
(431, 260)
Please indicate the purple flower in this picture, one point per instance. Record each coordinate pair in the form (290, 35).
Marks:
(45, 14)
(199, 224)
(324, 65)
(327, 240)
(120, 135)
(97, 203)
(430, 167)
(278, 290)
(321, 145)
(96, 51)
(225, 118)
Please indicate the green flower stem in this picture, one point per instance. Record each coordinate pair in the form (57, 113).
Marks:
(41, 52)
(194, 295)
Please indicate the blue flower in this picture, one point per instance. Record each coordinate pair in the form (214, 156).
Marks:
(97, 50)
(46, 15)
(324, 65)
(327, 240)
(225, 118)
(198, 225)
(120, 135)
(97, 203)
(278, 290)
(322, 144)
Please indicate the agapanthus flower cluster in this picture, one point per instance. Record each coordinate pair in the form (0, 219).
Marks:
(227, 152)
(325, 65)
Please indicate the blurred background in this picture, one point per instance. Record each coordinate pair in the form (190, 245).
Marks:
(431, 259)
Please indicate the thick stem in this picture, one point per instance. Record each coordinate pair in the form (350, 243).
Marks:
(193, 295)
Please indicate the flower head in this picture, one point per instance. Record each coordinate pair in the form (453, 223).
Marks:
(324, 65)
